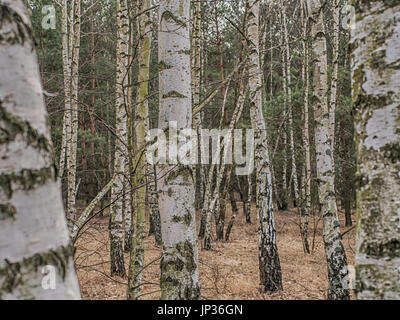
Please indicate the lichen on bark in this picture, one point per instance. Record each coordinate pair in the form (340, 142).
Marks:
(177, 263)
(376, 70)
(15, 275)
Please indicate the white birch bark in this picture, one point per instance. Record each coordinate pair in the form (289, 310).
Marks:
(33, 230)
(196, 86)
(129, 194)
(179, 265)
(285, 187)
(269, 264)
(334, 250)
(153, 203)
(306, 133)
(72, 143)
(67, 87)
(117, 190)
(334, 78)
(376, 101)
(128, 208)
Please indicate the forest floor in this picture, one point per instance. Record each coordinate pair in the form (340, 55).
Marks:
(228, 271)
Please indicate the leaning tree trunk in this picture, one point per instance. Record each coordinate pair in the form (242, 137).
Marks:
(33, 231)
(334, 250)
(269, 264)
(179, 264)
(141, 122)
(117, 190)
(376, 100)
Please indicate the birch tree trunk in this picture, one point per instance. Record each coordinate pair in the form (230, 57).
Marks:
(72, 144)
(92, 81)
(306, 134)
(196, 85)
(179, 264)
(334, 250)
(334, 79)
(376, 100)
(129, 194)
(117, 190)
(153, 203)
(247, 207)
(285, 186)
(269, 264)
(141, 128)
(33, 231)
(67, 87)
(205, 223)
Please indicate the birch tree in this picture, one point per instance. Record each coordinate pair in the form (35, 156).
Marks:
(179, 270)
(155, 223)
(117, 190)
(334, 250)
(129, 201)
(285, 186)
(196, 85)
(269, 264)
(306, 132)
(376, 100)
(334, 78)
(72, 143)
(67, 86)
(141, 122)
(33, 231)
